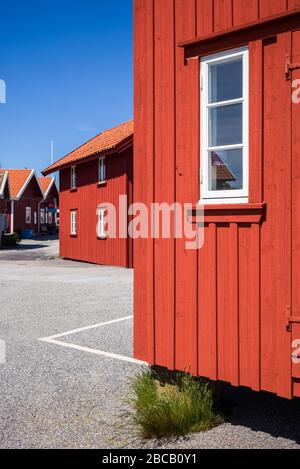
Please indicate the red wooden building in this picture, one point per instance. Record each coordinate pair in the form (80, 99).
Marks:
(25, 197)
(4, 198)
(215, 123)
(49, 206)
(93, 175)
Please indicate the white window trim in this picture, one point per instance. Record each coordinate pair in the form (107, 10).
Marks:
(101, 233)
(29, 211)
(101, 170)
(73, 221)
(226, 196)
(42, 216)
(73, 177)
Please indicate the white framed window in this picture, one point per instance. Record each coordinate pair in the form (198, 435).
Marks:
(28, 215)
(46, 216)
(225, 127)
(101, 170)
(73, 227)
(42, 216)
(101, 222)
(50, 218)
(73, 177)
(35, 218)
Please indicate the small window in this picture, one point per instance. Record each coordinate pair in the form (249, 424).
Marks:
(35, 217)
(46, 216)
(73, 222)
(102, 222)
(73, 177)
(50, 218)
(224, 127)
(28, 215)
(42, 216)
(101, 170)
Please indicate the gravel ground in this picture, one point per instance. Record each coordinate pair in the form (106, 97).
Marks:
(57, 397)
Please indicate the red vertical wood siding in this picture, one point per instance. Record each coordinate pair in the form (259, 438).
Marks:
(85, 199)
(49, 202)
(219, 312)
(30, 198)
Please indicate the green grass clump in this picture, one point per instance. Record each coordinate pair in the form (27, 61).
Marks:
(166, 410)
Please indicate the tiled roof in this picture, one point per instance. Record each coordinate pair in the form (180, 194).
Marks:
(107, 140)
(45, 183)
(17, 180)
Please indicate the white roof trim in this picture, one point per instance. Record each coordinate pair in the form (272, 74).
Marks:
(49, 188)
(3, 184)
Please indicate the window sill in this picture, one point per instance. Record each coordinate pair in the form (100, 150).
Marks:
(102, 238)
(229, 213)
(101, 183)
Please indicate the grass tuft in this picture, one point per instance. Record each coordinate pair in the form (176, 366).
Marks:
(161, 409)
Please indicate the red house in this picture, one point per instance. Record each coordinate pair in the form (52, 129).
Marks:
(25, 197)
(4, 198)
(49, 206)
(95, 174)
(217, 125)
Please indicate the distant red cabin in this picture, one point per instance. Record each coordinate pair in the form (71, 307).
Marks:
(95, 174)
(4, 202)
(217, 111)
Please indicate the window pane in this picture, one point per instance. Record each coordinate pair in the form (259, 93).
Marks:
(226, 125)
(225, 170)
(226, 81)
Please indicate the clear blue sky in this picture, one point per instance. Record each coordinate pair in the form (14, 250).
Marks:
(68, 71)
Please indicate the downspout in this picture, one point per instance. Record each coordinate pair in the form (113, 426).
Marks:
(12, 213)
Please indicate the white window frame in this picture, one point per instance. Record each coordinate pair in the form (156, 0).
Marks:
(101, 170)
(42, 216)
(225, 196)
(102, 213)
(73, 177)
(28, 213)
(73, 224)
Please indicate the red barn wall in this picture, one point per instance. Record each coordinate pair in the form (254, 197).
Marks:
(218, 312)
(30, 198)
(85, 199)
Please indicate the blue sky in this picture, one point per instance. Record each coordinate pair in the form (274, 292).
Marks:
(68, 72)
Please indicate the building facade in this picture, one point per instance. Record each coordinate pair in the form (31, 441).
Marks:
(92, 177)
(216, 114)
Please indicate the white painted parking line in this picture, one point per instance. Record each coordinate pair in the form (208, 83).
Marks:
(52, 340)
(115, 356)
(86, 328)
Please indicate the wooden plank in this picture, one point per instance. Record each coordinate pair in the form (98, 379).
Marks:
(205, 17)
(295, 311)
(207, 321)
(276, 231)
(245, 11)
(227, 307)
(164, 93)
(256, 122)
(223, 15)
(292, 4)
(187, 189)
(144, 175)
(269, 8)
(249, 305)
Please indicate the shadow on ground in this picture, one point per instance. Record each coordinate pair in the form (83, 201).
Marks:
(262, 412)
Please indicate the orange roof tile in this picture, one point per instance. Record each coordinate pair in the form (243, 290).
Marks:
(45, 183)
(17, 180)
(107, 140)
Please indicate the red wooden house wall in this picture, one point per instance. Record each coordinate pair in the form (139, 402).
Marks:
(86, 246)
(219, 312)
(31, 197)
(51, 201)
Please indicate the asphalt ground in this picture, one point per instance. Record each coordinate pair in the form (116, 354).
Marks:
(68, 390)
